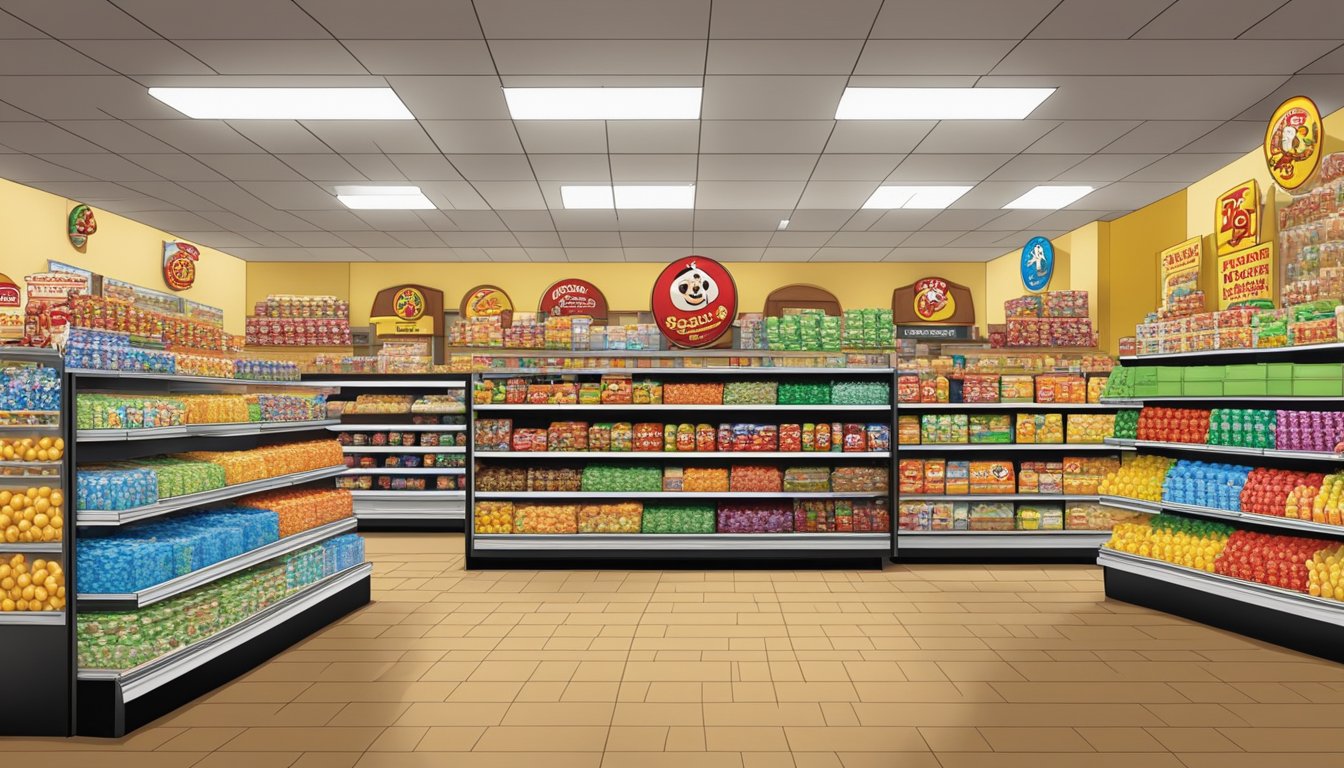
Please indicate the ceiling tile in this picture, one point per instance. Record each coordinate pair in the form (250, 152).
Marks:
(782, 57)
(842, 195)
(788, 254)
(370, 239)
(806, 219)
(850, 254)
(738, 220)
(1139, 97)
(106, 167)
(756, 167)
(538, 239)
(653, 168)
(597, 19)
(46, 57)
(1066, 220)
(730, 240)
(655, 255)
(1161, 136)
(251, 167)
(329, 167)
(72, 20)
(591, 167)
(929, 239)
(1107, 167)
(1232, 136)
(422, 57)
(1082, 136)
(833, 167)
(177, 194)
(870, 239)
(591, 239)
(236, 20)
(493, 167)
(375, 167)
(1090, 19)
(195, 136)
(507, 254)
(1130, 195)
(1161, 57)
(28, 169)
(391, 136)
(396, 19)
(13, 29)
(279, 135)
(425, 167)
(48, 97)
(528, 221)
(473, 136)
(277, 57)
(643, 136)
(947, 168)
(787, 238)
(1185, 166)
(114, 135)
(960, 19)
(680, 240)
(931, 57)
(962, 220)
(945, 254)
(315, 239)
(655, 221)
(599, 57)
(547, 254)
(1035, 167)
(1004, 136)
(771, 97)
(878, 136)
(457, 196)
(1286, 23)
(479, 239)
(562, 136)
(42, 137)
(292, 195)
(389, 221)
(433, 97)
(793, 19)
(1330, 64)
(1211, 19)
(761, 136)
(584, 221)
(511, 195)
(747, 195)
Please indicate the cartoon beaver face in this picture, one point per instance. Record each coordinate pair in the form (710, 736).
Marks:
(693, 290)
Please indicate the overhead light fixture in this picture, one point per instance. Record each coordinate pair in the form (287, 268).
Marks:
(1049, 198)
(783, 224)
(603, 103)
(929, 197)
(285, 103)
(628, 196)
(939, 103)
(384, 198)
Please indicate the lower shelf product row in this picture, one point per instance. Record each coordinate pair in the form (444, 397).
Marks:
(657, 437)
(138, 411)
(389, 483)
(1306, 565)
(1008, 516)
(32, 515)
(1004, 428)
(407, 439)
(798, 516)
(621, 389)
(139, 556)
(32, 449)
(408, 460)
(35, 586)
(1071, 475)
(738, 478)
(129, 484)
(126, 639)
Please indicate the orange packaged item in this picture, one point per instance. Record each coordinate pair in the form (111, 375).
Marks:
(935, 476)
(910, 475)
(705, 479)
(992, 477)
(647, 437)
(617, 390)
(693, 393)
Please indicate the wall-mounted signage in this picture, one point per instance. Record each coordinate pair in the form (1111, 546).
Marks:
(408, 304)
(933, 299)
(572, 296)
(1246, 276)
(1293, 142)
(1180, 270)
(11, 316)
(485, 301)
(1236, 218)
(179, 265)
(47, 311)
(80, 225)
(940, 332)
(1037, 264)
(694, 302)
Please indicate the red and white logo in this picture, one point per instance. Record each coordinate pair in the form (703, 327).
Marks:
(694, 301)
(574, 297)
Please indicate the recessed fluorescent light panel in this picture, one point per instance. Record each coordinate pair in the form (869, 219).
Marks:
(783, 224)
(384, 198)
(285, 103)
(915, 197)
(939, 103)
(632, 196)
(603, 103)
(1049, 198)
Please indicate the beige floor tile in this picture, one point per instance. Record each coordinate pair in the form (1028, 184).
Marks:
(1027, 739)
(699, 759)
(858, 739)
(1121, 740)
(636, 738)
(303, 739)
(954, 739)
(1193, 740)
(200, 740)
(446, 738)
(685, 738)
(745, 739)
(398, 739)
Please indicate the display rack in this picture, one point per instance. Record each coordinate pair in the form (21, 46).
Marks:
(1071, 545)
(698, 549)
(114, 702)
(386, 508)
(39, 645)
(1310, 624)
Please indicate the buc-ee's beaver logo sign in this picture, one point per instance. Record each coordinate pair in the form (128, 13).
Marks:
(694, 301)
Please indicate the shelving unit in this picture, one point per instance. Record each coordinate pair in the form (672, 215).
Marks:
(1302, 622)
(376, 508)
(560, 550)
(112, 703)
(40, 645)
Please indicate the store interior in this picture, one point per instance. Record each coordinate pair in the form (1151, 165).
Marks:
(605, 383)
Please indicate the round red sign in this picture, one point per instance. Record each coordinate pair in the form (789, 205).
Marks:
(574, 297)
(694, 301)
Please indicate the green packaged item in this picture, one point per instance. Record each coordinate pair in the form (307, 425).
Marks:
(994, 428)
(803, 393)
(620, 479)
(678, 518)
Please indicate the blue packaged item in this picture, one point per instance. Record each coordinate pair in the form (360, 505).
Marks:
(115, 489)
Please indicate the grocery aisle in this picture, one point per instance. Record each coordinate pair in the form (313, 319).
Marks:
(947, 666)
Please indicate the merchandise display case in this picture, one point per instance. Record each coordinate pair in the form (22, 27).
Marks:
(404, 439)
(688, 464)
(1000, 453)
(36, 560)
(1238, 464)
(209, 536)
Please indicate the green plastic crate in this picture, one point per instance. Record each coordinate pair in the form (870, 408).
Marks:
(1318, 387)
(1202, 389)
(1279, 388)
(1170, 374)
(1206, 373)
(1318, 371)
(1251, 372)
(1279, 370)
(1245, 388)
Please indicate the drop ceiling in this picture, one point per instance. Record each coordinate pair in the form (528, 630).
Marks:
(1151, 96)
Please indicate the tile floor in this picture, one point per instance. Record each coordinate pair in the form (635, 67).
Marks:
(946, 667)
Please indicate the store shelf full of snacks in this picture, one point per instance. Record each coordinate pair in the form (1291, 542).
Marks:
(696, 466)
(36, 557)
(207, 498)
(1000, 453)
(405, 445)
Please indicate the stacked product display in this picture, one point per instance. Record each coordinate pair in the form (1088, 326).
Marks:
(813, 457)
(1049, 319)
(404, 445)
(299, 321)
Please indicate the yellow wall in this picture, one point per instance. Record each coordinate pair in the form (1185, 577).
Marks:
(1003, 276)
(626, 285)
(1129, 263)
(33, 230)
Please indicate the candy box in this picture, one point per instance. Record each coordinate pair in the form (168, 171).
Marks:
(935, 476)
(590, 393)
(980, 388)
(990, 428)
(914, 515)
(907, 388)
(529, 440)
(1051, 478)
(647, 392)
(1029, 477)
(992, 477)
(944, 428)
(910, 475)
(492, 434)
(1017, 388)
(617, 390)
(958, 477)
(991, 516)
(907, 430)
(877, 437)
(673, 479)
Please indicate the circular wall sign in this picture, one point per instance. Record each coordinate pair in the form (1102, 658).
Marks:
(933, 299)
(485, 301)
(574, 297)
(179, 265)
(1293, 142)
(408, 304)
(694, 301)
(1038, 264)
